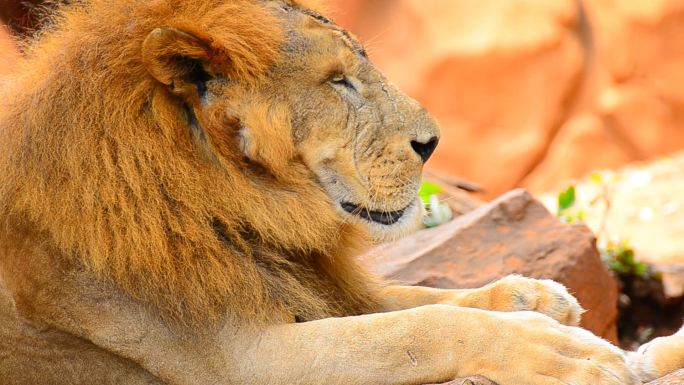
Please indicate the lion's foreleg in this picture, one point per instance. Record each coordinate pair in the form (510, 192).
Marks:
(428, 344)
(513, 293)
(396, 297)
(417, 346)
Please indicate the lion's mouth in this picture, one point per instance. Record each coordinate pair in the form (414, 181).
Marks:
(381, 217)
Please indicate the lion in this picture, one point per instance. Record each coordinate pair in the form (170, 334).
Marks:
(185, 185)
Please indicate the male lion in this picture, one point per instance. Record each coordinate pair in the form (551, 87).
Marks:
(184, 184)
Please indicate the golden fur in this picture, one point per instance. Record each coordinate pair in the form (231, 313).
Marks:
(183, 187)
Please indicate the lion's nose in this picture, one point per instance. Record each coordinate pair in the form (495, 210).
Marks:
(425, 150)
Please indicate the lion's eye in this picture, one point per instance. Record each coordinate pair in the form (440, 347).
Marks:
(341, 80)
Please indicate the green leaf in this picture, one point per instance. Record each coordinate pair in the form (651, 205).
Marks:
(641, 269)
(617, 267)
(621, 258)
(427, 189)
(566, 199)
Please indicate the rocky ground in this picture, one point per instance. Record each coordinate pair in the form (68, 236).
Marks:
(672, 379)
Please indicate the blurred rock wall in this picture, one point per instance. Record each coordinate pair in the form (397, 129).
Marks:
(532, 92)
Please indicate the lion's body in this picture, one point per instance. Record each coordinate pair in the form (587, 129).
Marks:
(183, 185)
(47, 357)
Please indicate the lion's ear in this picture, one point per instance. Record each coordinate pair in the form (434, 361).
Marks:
(179, 60)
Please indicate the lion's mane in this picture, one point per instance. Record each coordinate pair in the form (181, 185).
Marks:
(97, 164)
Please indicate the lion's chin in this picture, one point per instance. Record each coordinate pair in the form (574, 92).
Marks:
(388, 226)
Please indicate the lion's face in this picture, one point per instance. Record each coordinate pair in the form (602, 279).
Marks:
(323, 104)
(365, 140)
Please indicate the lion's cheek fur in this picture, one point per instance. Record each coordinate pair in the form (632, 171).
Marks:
(267, 136)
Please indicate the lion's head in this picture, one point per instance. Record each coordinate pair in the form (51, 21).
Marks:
(321, 104)
(199, 153)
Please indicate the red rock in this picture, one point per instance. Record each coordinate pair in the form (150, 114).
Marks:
(563, 161)
(513, 234)
(676, 378)
(471, 381)
(633, 91)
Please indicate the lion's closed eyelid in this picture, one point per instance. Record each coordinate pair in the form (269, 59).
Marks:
(336, 77)
(340, 79)
(335, 68)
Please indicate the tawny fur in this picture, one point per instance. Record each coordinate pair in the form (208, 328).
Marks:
(156, 232)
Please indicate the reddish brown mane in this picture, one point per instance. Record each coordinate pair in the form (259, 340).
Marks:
(96, 162)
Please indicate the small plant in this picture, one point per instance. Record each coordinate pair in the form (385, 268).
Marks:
(620, 258)
(428, 189)
(565, 211)
(436, 211)
(566, 199)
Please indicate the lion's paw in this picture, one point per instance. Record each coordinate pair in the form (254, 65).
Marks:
(659, 357)
(516, 293)
(540, 351)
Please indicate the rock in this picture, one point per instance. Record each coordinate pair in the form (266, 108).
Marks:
(477, 380)
(632, 92)
(457, 193)
(564, 162)
(676, 378)
(513, 234)
(638, 48)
